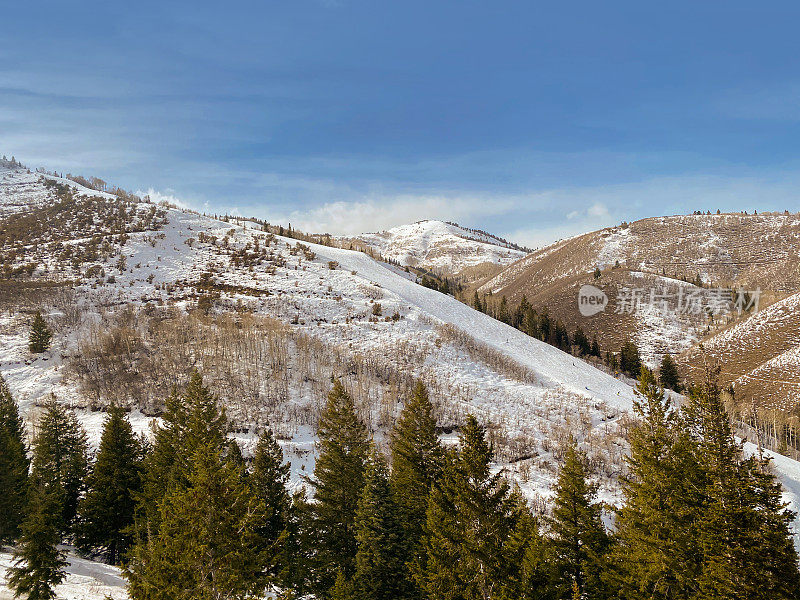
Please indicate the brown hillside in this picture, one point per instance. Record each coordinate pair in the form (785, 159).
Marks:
(728, 249)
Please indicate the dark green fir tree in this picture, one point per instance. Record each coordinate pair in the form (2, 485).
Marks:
(381, 573)
(106, 513)
(577, 537)
(502, 312)
(416, 464)
(469, 522)
(61, 460)
(207, 545)
(529, 570)
(268, 480)
(234, 456)
(668, 374)
(38, 562)
(192, 419)
(14, 465)
(476, 303)
(41, 336)
(337, 482)
(658, 554)
(582, 342)
(629, 360)
(342, 588)
(745, 528)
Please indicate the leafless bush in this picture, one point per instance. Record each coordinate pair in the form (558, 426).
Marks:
(484, 353)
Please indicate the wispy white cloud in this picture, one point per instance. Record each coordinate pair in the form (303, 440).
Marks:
(383, 212)
(165, 196)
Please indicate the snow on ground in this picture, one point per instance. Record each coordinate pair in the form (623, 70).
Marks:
(19, 189)
(86, 580)
(613, 249)
(331, 297)
(788, 472)
(330, 294)
(441, 246)
(554, 367)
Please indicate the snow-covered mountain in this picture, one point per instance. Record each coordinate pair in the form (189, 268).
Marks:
(655, 258)
(328, 311)
(761, 358)
(442, 247)
(21, 190)
(138, 294)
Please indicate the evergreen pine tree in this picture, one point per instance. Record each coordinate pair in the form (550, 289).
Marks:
(518, 319)
(668, 374)
(107, 510)
(502, 312)
(268, 481)
(657, 528)
(60, 459)
(206, 547)
(234, 456)
(469, 522)
(578, 538)
(14, 466)
(38, 563)
(629, 360)
(559, 336)
(416, 464)
(529, 570)
(545, 326)
(530, 324)
(40, 336)
(476, 302)
(298, 545)
(192, 419)
(745, 530)
(582, 342)
(595, 347)
(342, 589)
(381, 573)
(338, 480)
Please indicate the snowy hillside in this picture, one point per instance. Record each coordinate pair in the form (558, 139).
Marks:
(441, 247)
(360, 309)
(139, 294)
(761, 356)
(21, 190)
(670, 258)
(730, 248)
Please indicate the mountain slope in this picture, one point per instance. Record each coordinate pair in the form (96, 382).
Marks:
(138, 302)
(442, 247)
(323, 311)
(653, 256)
(761, 357)
(21, 190)
(727, 249)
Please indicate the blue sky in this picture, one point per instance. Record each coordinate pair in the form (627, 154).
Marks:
(533, 120)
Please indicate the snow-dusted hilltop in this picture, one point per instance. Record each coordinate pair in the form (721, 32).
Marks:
(151, 291)
(21, 189)
(443, 247)
(699, 255)
(139, 294)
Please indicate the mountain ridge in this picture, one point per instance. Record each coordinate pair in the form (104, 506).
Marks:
(441, 246)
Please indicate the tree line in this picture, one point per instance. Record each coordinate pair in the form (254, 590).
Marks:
(188, 517)
(540, 325)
